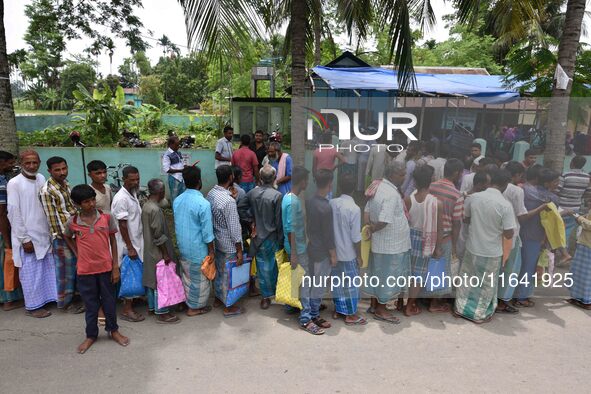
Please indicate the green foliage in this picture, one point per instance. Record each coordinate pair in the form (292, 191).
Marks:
(143, 63)
(147, 119)
(183, 80)
(46, 42)
(76, 73)
(463, 48)
(151, 90)
(128, 75)
(105, 115)
(112, 81)
(52, 136)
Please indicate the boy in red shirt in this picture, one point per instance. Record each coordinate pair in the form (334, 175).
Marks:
(96, 250)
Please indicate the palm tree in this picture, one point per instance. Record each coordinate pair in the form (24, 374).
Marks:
(8, 137)
(110, 46)
(218, 26)
(567, 56)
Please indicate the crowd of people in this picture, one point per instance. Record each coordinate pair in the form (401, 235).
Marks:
(486, 218)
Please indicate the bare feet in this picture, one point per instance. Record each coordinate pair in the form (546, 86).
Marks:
(411, 309)
(84, 346)
(120, 339)
(9, 306)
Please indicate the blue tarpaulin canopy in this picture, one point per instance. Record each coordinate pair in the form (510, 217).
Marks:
(485, 89)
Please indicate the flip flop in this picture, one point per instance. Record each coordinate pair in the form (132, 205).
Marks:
(237, 312)
(132, 319)
(524, 304)
(170, 320)
(507, 309)
(75, 309)
(42, 315)
(359, 322)
(202, 311)
(389, 319)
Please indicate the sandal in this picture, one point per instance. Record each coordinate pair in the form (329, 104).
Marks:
(524, 304)
(237, 312)
(75, 309)
(312, 328)
(133, 317)
(200, 311)
(321, 322)
(360, 321)
(507, 309)
(387, 319)
(578, 303)
(39, 313)
(169, 320)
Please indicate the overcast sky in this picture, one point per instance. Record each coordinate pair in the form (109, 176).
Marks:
(159, 16)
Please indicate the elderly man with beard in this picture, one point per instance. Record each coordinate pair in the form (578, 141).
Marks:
(31, 241)
(282, 163)
(130, 241)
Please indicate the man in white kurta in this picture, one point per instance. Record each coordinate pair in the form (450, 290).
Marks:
(31, 240)
(130, 240)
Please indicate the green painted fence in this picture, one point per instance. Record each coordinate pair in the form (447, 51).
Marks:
(28, 123)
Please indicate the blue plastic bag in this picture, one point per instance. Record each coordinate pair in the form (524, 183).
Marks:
(131, 278)
(435, 274)
(237, 285)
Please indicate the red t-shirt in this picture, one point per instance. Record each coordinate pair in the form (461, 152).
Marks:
(247, 160)
(325, 158)
(92, 242)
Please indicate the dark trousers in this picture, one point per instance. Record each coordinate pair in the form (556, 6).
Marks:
(97, 290)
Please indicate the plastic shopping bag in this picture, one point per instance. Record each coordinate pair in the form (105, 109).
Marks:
(238, 280)
(435, 274)
(131, 278)
(169, 285)
(288, 285)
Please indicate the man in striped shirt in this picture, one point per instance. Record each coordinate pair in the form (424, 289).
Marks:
(227, 232)
(574, 186)
(58, 207)
(445, 191)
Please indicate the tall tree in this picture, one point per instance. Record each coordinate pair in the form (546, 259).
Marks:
(77, 19)
(8, 139)
(567, 56)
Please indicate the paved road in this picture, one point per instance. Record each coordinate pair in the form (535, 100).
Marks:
(544, 349)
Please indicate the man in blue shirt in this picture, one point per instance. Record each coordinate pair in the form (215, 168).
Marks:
(194, 236)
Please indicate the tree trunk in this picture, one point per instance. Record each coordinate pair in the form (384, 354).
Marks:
(567, 55)
(8, 138)
(299, 16)
(317, 40)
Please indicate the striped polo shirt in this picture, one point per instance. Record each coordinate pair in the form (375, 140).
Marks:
(446, 192)
(573, 184)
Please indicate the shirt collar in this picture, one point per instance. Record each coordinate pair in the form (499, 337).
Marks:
(387, 182)
(57, 185)
(81, 222)
(194, 191)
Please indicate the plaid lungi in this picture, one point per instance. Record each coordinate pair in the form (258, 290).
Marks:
(176, 187)
(267, 270)
(419, 263)
(346, 296)
(581, 274)
(220, 283)
(197, 286)
(65, 271)
(510, 274)
(392, 268)
(480, 301)
(37, 280)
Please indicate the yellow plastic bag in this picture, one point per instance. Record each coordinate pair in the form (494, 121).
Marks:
(253, 267)
(281, 257)
(365, 245)
(288, 284)
(553, 227)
